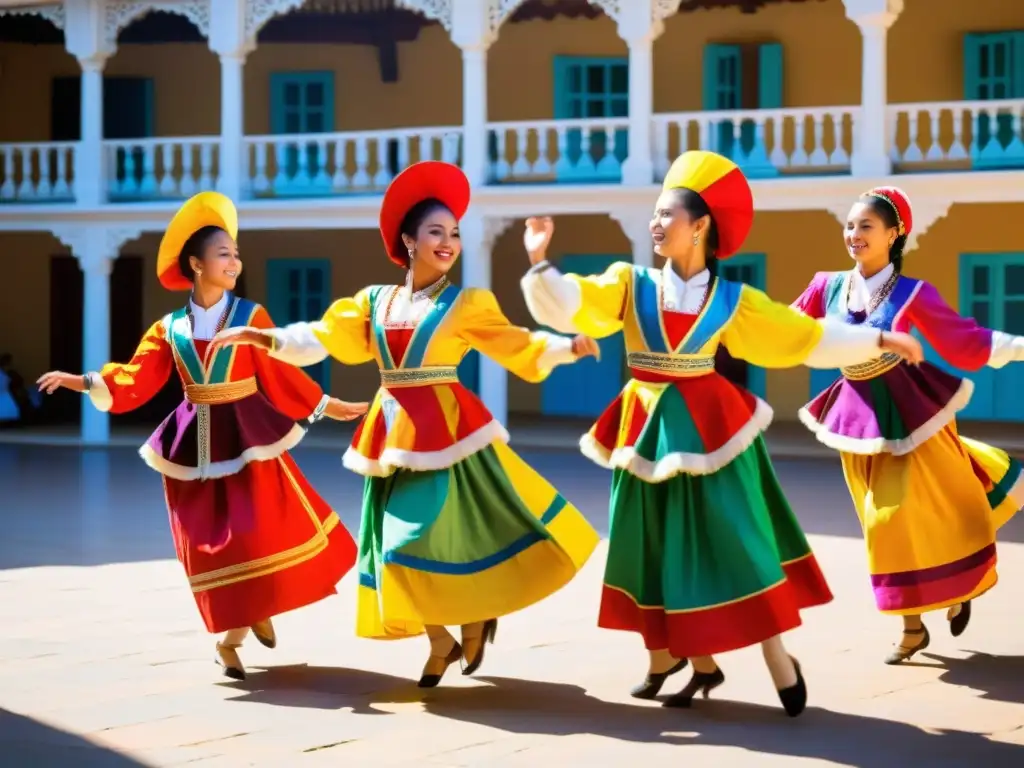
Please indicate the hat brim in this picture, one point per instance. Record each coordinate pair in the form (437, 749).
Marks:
(207, 209)
(429, 179)
(725, 190)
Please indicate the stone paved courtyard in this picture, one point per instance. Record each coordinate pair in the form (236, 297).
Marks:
(103, 661)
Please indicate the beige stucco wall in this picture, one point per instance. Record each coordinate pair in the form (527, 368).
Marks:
(795, 245)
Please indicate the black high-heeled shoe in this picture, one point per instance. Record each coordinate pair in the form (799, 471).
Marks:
(488, 634)
(959, 623)
(901, 653)
(430, 680)
(651, 686)
(794, 698)
(704, 682)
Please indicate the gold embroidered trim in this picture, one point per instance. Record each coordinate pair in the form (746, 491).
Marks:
(417, 377)
(219, 394)
(676, 365)
(872, 368)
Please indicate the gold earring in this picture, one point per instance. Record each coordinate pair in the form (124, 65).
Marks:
(411, 253)
(696, 239)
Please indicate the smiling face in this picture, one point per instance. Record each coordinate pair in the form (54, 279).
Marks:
(673, 228)
(867, 236)
(219, 265)
(436, 245)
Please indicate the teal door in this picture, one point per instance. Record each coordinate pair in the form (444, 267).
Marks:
(299, 290)
(746, 268)
(992, 292)
(301, 102)
(586, 388)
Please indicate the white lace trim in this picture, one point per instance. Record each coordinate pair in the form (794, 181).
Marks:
(226, 468)
(680, 463)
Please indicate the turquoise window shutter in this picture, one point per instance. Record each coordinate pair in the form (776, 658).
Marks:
(769, 73)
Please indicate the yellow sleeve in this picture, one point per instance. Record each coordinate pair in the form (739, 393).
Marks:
(769, 334)
(602, 300)
(530, 355)
(344, 329)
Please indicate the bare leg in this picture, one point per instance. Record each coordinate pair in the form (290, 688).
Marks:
(707, 676)
(444, 652)
(264, 631)
(786, 675)
(704, 664)
(661, 661)
(474, 640)
(780, 665)
(227, 653)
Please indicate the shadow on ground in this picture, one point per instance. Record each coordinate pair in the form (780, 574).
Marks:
(27, 742)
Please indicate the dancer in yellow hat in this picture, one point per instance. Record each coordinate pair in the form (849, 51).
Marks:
(253, 536)
(705, 554)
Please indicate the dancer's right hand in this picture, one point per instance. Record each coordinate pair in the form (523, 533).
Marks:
(51, 381)
(584, 346)
(904, 345)
(537, 237)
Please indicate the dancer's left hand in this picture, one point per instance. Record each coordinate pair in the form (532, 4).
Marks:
(341, 410)
(584, 346)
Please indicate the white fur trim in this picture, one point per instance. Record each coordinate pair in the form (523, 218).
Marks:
(220, 469)
(680, 463)
(99, 393)
(392, 459)
(875, 445)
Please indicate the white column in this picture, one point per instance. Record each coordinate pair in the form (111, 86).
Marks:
(474, 114)
(469, 25)
(229, 41)
(478, 235)
(638, 170)
(635, 223)
(87, 38)
(872, 128)
(233, 168)
(96, 264)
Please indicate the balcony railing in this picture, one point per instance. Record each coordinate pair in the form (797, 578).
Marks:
(771, 143)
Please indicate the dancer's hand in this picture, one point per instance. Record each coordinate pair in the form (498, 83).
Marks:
(239, 337)
(341, 410)
(53, 380)
(537, 237)
(584, 346)
(904, 345)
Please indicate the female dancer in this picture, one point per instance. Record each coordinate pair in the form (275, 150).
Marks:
(253, 536)
(705, 554)
(456, 528)
(929, 501)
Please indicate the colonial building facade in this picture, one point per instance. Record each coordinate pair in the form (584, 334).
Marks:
(113, 112)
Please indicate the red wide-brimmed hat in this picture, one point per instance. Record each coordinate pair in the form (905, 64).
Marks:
(900, 203)
(725, 191)
(429, 179)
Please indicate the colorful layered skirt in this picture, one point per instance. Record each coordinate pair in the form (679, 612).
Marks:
(705, 554)
(929, 501)
(253, 536)
(477, 540)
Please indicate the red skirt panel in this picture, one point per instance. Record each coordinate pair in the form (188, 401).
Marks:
(291, 552)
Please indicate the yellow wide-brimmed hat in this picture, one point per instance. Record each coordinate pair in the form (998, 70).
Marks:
(207, 209)
(725, 191)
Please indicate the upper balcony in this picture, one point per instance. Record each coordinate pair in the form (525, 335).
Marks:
(719, 81)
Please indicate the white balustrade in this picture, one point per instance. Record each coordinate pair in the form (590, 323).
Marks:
(580, 150)
(957, 134)
(37, 172)
(319, 164)
(163, 168)
(764, 142)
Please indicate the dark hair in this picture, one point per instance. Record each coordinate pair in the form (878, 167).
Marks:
(887, 212)
(195, 246)
(694, 205)
(411, 223)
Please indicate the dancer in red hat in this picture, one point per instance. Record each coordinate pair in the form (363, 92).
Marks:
(929, 500)
(456, 528)
(253, 536)
(705, 554)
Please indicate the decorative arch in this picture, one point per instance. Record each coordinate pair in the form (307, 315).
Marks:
(259, 12)
(120, 13)
(52, 13)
